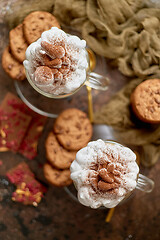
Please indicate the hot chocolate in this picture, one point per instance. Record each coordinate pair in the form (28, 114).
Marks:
(56, 63)
(104, 173)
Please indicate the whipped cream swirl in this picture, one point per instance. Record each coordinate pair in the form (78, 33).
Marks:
(104, 173)
(57, 62)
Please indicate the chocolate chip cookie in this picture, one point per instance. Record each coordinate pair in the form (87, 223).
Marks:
(56, 154)
(11, 66)
(58, 178)
(36, 23)
(73, 129)
(18, 43)
(145, 101)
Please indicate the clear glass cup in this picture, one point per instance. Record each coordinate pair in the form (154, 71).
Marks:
(93, 80)
(144, 184)
(52, 107)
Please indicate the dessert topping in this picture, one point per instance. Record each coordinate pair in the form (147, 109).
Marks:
(105, 177)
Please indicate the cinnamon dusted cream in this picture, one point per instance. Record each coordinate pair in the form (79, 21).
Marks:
(56, 63)
(104, 173)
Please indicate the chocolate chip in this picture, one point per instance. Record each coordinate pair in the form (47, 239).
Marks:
(151, 109)
(19, 75)
(78, 137)
(157, 100)
(10, 66)
(68, 143)
(57, 175)
(19, 50)
(157, 92)
(58, 129)
(86, 127)
(78, 125)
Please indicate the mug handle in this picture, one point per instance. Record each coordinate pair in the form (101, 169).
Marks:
(144, 184)
(97, 81)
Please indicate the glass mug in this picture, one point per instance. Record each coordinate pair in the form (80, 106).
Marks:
(93, 80)
(144, 184)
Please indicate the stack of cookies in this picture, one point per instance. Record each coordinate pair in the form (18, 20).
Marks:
(72, 131)
(19, 39)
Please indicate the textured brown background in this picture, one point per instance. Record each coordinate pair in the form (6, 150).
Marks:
(60, 217)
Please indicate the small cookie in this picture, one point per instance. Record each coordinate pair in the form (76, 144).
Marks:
(73, 129)
(12, 67)
(145, 101)
(36, 23)
(58, 178)
(56, 154)
(18, 44)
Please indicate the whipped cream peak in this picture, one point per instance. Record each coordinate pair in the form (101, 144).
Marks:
(64, 54)
(59, 38)
(104, 173)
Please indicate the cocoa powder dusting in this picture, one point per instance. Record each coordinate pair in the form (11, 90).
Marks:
(104, 177)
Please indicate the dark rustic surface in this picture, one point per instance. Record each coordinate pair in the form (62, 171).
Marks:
(58, 216)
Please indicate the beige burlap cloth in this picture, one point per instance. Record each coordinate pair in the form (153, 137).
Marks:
(125, 31)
